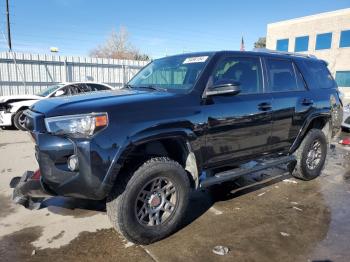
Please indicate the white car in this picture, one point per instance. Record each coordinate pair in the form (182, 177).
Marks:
(346, 118)
(12, 107)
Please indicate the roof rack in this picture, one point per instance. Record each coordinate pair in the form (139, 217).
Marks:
(265, 50)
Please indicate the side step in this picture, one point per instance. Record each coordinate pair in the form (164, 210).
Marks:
(236, 173)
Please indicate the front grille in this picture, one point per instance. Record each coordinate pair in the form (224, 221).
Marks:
(4, 107)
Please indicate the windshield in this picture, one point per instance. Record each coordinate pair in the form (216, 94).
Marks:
(174, 73)
(49, 90)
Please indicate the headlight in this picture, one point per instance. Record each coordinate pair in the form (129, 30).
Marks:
(77, 126)
(347, 108)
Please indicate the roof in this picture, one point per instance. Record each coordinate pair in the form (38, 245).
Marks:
(331, 14)
(256, 52)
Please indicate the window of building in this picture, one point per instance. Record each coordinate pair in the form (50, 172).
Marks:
(323, 41)
(344, 39)
(282, 45)
(301, 43)
(343, 78)
(281, 76)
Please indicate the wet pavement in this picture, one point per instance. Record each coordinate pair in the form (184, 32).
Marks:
(267, 216)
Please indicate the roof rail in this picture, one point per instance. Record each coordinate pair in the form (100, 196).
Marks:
(265, 50)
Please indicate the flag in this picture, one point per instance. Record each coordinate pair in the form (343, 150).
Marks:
(242, 45)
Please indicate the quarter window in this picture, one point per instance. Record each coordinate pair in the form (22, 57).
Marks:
(343, 78)
(321, 77)
(323, 41)
(281, 76)
(282, 45)
(246, 71)
(301, 44)
(345, 39)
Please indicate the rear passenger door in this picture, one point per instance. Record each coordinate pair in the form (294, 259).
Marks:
(291, 101)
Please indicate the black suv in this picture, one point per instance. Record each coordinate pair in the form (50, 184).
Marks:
(183, 122)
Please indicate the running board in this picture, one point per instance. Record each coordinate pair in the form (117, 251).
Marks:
(236, 173)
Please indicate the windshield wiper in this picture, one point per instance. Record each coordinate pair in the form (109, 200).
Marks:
(152, 87)
(128, 86)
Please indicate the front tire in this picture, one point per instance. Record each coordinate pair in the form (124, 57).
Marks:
(311, 155)
(152, 204)
(19, 120)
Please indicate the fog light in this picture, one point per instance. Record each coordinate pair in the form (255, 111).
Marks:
(73, 163)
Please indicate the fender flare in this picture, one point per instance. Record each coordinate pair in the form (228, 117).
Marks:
(184, 134)
(304, 128)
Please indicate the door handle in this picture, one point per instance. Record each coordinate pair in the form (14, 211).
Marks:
(264, 106)
(307, 102)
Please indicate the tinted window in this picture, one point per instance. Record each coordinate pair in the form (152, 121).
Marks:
(343, 78)
(320, 76)
(175, 73)
(301, 44)
(244, 70)
(282, 45)
(281, 75)
(345, 39)
(323, 41)
(74, 89)
(65, 91)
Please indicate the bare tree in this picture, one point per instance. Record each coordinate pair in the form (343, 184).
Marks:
(118, 46)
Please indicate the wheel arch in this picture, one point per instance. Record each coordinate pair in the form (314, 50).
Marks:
(320, 121)
(175, 144)
(21, 108)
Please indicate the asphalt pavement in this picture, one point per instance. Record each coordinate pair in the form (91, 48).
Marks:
(267, 216)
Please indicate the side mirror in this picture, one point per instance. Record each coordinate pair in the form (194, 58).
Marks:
(59, 93)
(224, 87)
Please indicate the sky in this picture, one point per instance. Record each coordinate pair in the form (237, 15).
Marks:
(155, 27)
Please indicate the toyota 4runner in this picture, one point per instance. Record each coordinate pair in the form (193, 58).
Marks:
(183, 122)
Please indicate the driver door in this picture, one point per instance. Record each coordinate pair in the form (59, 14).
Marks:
(238, 126)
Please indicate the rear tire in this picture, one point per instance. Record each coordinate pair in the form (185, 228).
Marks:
(19, 120)
(150, 204)
(311, 155)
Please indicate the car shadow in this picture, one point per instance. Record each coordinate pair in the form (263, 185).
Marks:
(202, 200)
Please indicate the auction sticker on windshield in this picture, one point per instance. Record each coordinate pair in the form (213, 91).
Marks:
(195, 59)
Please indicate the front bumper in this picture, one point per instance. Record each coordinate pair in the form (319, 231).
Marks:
(5, 118)
(28, 190)
(97, 171)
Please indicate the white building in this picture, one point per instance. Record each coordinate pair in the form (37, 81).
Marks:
(325, 35)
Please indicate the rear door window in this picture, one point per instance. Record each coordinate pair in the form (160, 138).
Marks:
(282, 77)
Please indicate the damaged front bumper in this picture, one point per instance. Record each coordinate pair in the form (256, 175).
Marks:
(29, 190)
(5, 118)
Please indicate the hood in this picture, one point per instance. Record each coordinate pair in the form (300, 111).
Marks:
(18, 98)
(95, 102)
